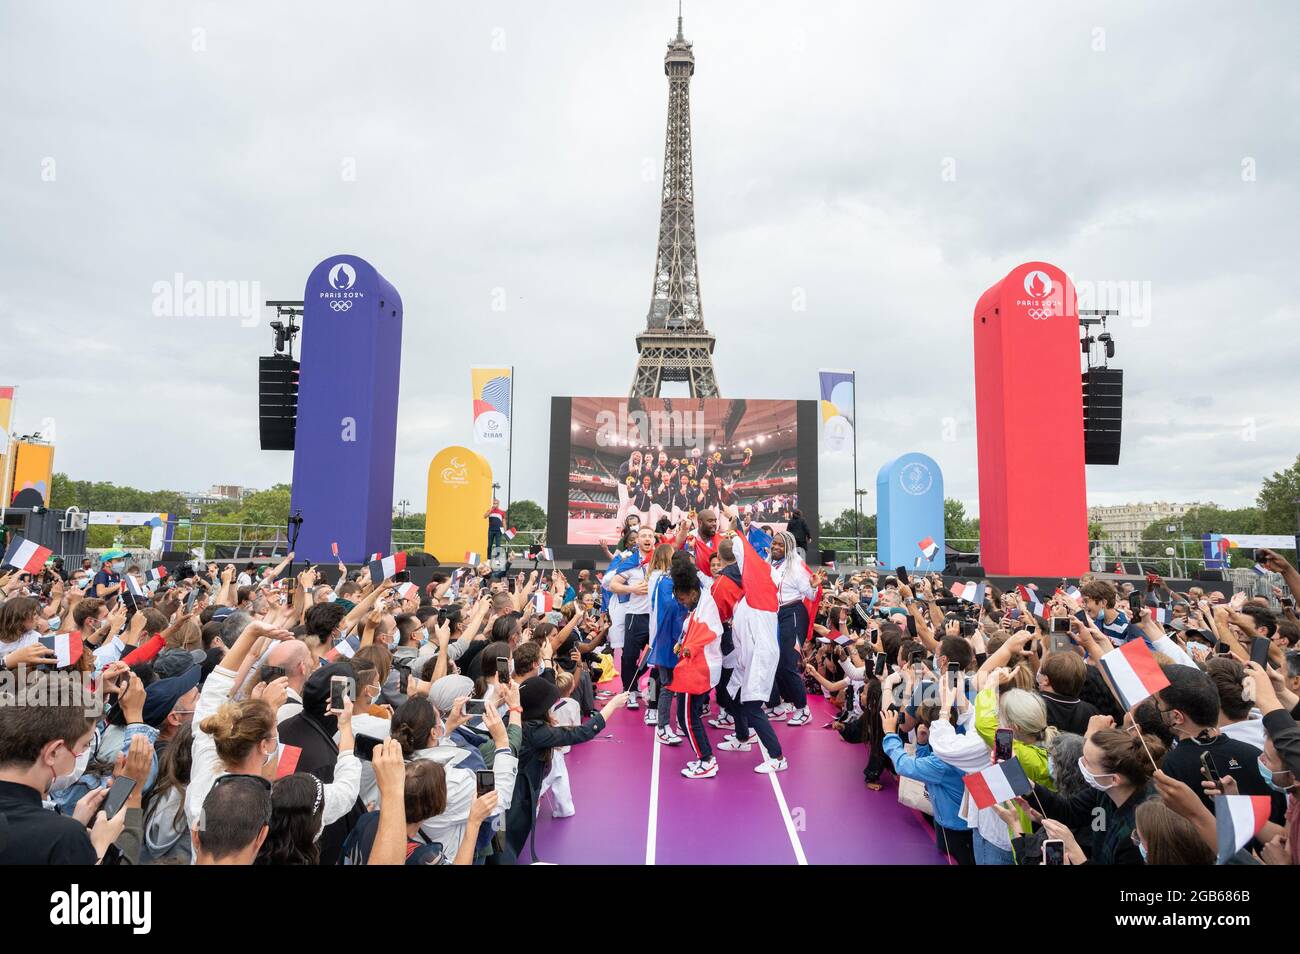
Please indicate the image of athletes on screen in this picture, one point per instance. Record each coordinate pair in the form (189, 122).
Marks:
(667, 457)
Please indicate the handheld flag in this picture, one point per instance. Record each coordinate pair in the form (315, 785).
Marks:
(133, 587)
(66, 648)
(510, 533)
(27, 556)
(830, 565)
(970, 592)
(344, 649)
(1134, 672)
(1238, 819)
(1036, 605)
(929, 547)
(997, 783)
(542, 603)
(288, 764)
(1260, 570)
(545, 553)
(156, 575)
(406, 590)
(376, 556)
(381, 570)
(334, 549)
(473, 559)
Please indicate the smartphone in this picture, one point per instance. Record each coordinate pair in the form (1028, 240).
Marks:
(1053, 852)
(954, 667)
(475, 707)
(191, 599)
(1060, 624)
(338, 692)
(1287, 602)
(1208, 771)
(122, 788)
(1259, 650)
(1002, 747)
(901, 573)
(1134, 604)
(882, 664)
(1059, 643)
(503, 670)
(271, 673)
(364, 745)
(485, 781)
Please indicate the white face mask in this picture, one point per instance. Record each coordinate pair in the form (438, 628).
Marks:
(1095, 780)
(64, 782)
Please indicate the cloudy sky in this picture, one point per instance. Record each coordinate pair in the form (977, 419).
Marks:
(511, 150)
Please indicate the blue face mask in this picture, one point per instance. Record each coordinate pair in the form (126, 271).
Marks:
(117, 566)
(1267, 774)
(1100, 617)
(1051, 767)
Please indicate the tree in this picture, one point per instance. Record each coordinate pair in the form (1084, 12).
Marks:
(956, 525)
(1095, 532)
(843, 526)
(526, 515)
(1277, 500)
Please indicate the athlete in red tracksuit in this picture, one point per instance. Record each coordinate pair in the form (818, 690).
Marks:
(699, 661)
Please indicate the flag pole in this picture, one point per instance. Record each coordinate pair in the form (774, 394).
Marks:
(9, 463)
(510, 443)
(857, 505)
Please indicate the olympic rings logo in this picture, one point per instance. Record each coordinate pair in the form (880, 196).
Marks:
(1039, 313)
(340, 305)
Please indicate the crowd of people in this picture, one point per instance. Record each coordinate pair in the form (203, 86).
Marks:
(212, 716)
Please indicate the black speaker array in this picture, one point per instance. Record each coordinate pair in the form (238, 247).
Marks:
(277, 389)
(1103, 406)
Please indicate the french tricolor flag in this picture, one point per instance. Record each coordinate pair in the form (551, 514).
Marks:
(510, 533)
(830, 565)
(406, 590)
(289, 756)
(66, 648)
(157, 574)
(1238, 819)
(1260, 569)
(542, 603)
(27, 556)
(545, 553)
(344, 649)
(1073, 593)
(381, 570)
(132, 587)
(970, 592)
(929, 547)
(1134, 672)
(997, 783)
(376, 556)
(473, 559)
(1031, 599)
(1161, 614)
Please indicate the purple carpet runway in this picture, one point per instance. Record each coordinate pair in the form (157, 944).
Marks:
(634, 807)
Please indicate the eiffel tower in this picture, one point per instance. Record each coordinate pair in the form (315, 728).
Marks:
(675, 345)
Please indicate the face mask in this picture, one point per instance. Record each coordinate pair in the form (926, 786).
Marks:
(117, 566)
(1093, 779)
(331, 598)
(83, 583)
(1051, 767)
(1100, 617)
(1267, 774)
(54, 622)
(63, 782)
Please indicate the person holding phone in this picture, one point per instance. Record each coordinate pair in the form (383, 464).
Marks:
(794, 584)
(537, 696)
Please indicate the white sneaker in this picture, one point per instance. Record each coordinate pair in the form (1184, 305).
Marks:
(651, 716)
(768, 766)
(723, 721)
(777, 715)
(701, 769)
(667, 736)
(631, 701)
(801, 717)
(730, 744)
